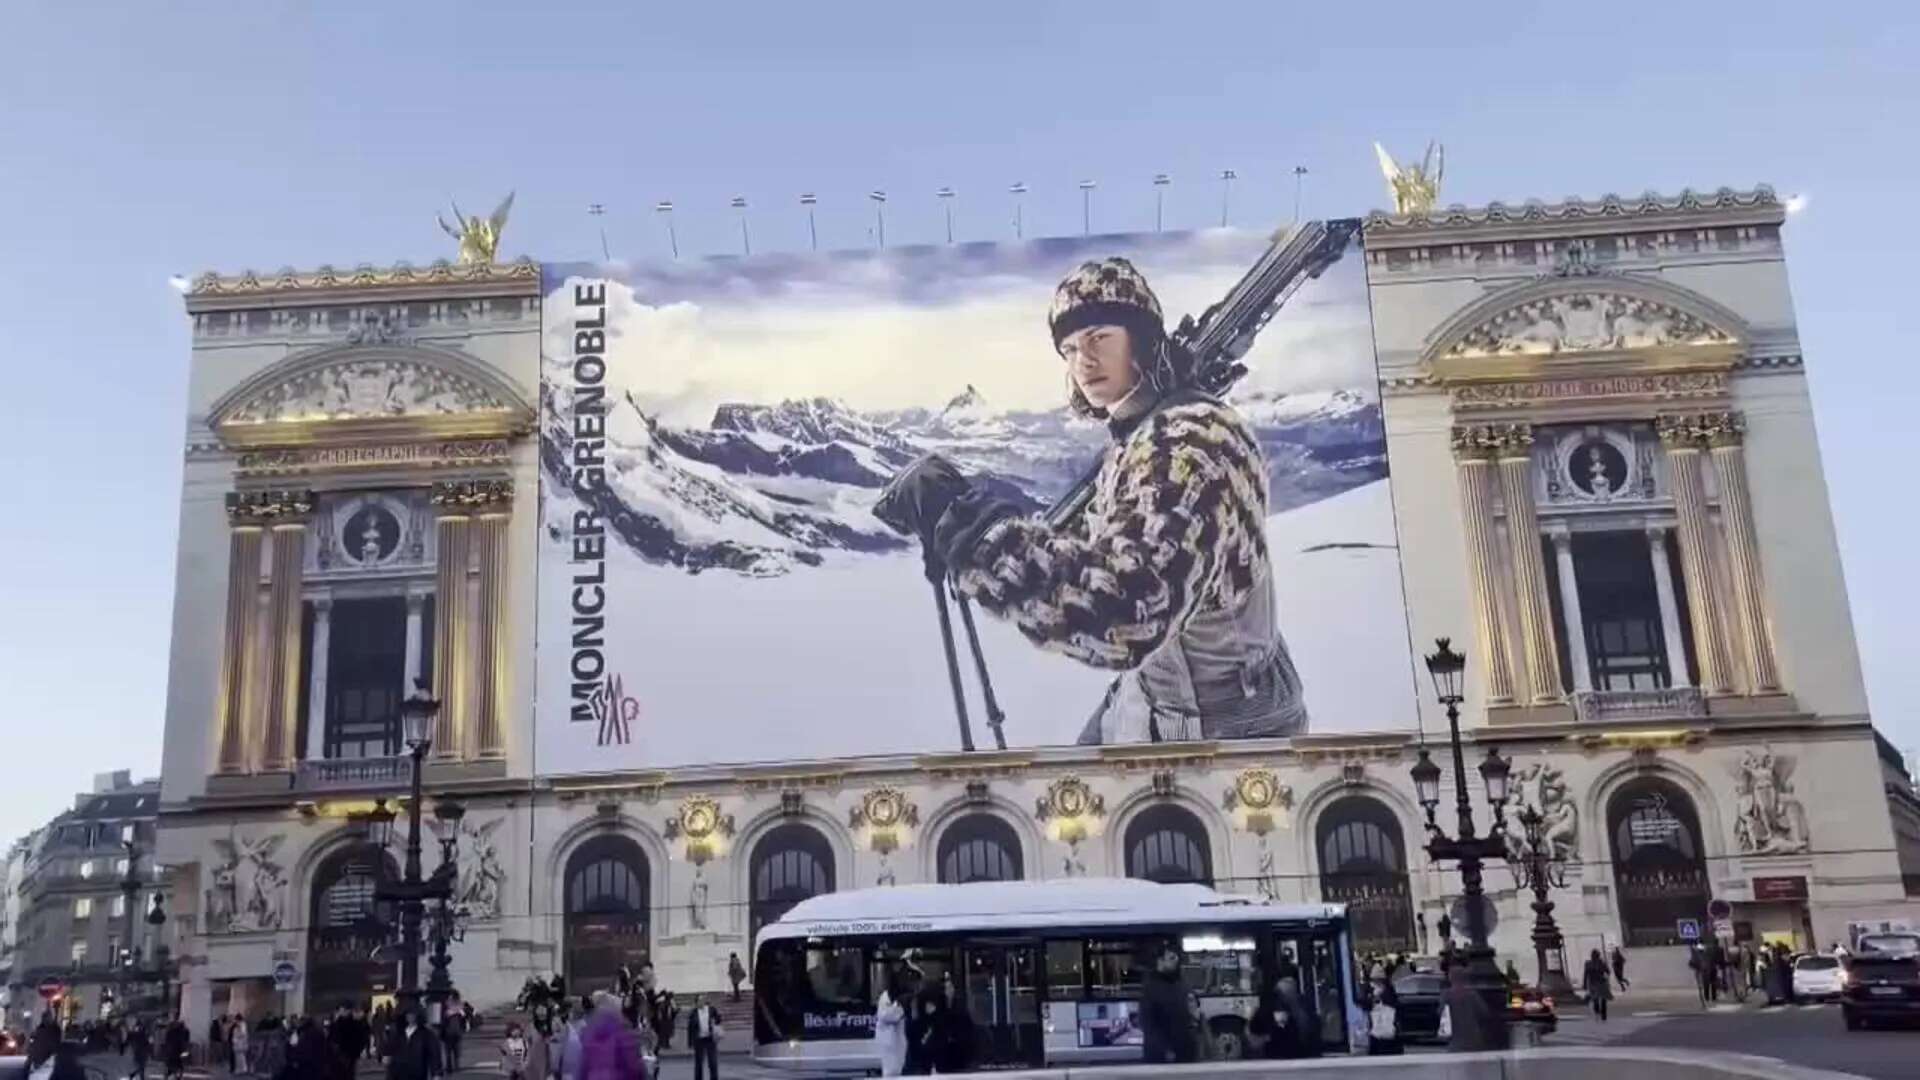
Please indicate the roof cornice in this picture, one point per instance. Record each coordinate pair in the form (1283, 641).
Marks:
(1575, 216)
(401, 281)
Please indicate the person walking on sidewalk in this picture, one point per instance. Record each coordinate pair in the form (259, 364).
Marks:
(608, 1049)
(736, 973)
(140, 1045)
(703, 1038)
(1595, 982)
(1620, 967)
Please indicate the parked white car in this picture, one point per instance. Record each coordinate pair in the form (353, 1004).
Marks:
(1817, 976)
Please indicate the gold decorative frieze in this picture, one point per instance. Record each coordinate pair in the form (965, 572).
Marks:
(1657, 387)
(1258, 800)
(1069, 807)
(1472, 441)
(472, 494)
(268, 507)
(429, 455)
(702, 825)
(1718, 428)
(884, 815)
(791, 782)
(974, 767)
(440, 271)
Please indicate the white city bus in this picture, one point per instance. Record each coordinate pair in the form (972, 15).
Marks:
(1049, 972)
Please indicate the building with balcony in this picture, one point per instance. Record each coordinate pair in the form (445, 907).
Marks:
(75, 922)
(1608, 487)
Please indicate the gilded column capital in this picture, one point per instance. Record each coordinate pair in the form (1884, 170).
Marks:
(1482, 442)
(268, 507)
(1695, 430)
(471, 495)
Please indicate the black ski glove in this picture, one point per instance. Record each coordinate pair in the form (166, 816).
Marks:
(913, 502)
(965, 521)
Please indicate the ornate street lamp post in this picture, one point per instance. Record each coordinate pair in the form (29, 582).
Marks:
(445, 927)
(417, 714)
(1481, 975)
(1541, 872)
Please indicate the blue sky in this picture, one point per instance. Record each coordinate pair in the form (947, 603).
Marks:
(146, 140)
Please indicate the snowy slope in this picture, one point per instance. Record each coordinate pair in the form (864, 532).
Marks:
(765, 489)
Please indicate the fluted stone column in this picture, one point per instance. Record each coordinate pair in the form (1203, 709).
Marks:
(1571, 615)
(243, 583)
(490, 629)
(1473, 466)
(450, 650)
(1683, 445)
(1723, 433)
(269, 720)
(1529, 570)
(1677, 674)
(317, 678)
(470, 667)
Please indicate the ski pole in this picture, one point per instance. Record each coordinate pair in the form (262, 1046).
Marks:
(995, 718)
(953, 665)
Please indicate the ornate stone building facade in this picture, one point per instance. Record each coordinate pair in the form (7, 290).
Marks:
(1606, 480)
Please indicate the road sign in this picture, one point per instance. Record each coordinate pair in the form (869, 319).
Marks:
(284, 975)
(1689, 929)
(1723, 929)
(51, 988)
(1719, 909)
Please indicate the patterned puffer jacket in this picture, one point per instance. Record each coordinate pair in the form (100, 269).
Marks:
(1165, 577)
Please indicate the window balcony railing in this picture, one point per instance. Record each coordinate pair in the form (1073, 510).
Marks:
(352, 774)
(1615, 706)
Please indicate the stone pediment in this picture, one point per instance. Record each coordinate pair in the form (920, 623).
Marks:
(1594, 320)
(356, 391)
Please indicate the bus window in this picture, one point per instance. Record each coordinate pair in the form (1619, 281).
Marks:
(1217, 965)
(836, 975)
(1065, 971)
(1320, 984)
(1115, 967)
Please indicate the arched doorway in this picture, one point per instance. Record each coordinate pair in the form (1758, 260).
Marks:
(1658, 866)
(978, 847)
(1167, 844)
(1363, 864)
(607, 889)
(348, 962)
(791, 863)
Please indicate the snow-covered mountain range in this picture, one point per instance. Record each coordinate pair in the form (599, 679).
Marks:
(765, 489)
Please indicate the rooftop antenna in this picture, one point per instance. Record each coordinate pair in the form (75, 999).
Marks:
(1160, 182)
(1017, 190)
(808, 200)
(598, 211)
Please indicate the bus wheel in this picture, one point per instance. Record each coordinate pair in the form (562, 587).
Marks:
(1229, 1039)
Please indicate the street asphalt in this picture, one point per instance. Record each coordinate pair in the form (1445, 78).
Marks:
(1809, 1035)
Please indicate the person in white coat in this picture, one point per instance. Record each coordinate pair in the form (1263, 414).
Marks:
(890, 1030)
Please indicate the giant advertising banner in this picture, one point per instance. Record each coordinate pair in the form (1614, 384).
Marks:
(1139, 561)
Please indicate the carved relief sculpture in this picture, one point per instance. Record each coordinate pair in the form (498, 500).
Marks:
(249, 889)
(366, 389)
(1542, 788)
(1769, 819)
(1586, 321)
(481, 876)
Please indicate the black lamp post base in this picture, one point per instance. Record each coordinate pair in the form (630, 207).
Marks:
(1483, 979)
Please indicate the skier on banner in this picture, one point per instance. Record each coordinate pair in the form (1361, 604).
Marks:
(1163, 574)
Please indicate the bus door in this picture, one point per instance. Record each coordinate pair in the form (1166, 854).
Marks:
(1000, 985)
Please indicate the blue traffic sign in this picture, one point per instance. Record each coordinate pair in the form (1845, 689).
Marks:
(1689, 929)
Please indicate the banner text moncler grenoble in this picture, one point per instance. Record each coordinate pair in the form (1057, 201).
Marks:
(589, 599)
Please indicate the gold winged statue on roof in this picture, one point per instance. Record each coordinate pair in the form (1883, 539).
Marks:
(1415, 188)
(479, 237)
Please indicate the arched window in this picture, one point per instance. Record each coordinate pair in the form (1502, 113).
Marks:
(791, 863)
(1658, 867)
(607, 889)
(979, 847)
(346, 929)
(1166, 843)
(1363, 864)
